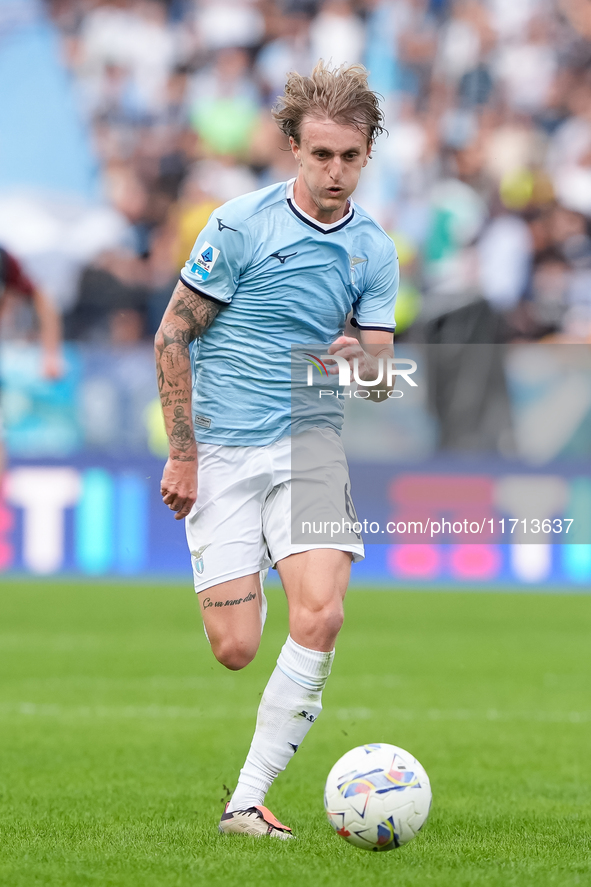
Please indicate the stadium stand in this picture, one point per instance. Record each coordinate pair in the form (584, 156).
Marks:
(486, 166)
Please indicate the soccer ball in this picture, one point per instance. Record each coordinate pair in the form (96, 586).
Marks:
(377, 796)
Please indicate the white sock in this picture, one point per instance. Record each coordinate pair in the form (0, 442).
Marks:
(290, 705)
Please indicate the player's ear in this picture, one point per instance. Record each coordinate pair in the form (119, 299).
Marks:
(295, 148)
(368, 155)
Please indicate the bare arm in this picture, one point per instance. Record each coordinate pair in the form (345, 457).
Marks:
(187, 317)
(50, 333)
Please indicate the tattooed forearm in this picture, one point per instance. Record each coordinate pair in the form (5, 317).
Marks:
(187, 317)
(168, 401)
(181, 435)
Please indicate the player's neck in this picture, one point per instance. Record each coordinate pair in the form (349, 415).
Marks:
(303, 200)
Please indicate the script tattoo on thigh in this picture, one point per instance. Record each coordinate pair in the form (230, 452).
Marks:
(229, 603)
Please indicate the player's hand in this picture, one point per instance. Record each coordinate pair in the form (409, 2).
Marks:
(52, 366)
(351, 349)
(179, 485)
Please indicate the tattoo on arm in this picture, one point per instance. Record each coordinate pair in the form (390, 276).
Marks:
(187, 317)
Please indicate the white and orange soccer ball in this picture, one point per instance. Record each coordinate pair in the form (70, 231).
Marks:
(377, 796)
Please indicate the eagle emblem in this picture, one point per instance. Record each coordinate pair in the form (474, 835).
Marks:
(198, 555)
(355, 260)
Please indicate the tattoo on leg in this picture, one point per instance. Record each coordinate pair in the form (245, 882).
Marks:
(229, 603)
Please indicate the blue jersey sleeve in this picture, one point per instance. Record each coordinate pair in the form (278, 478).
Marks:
(374, 310)
(220, 255)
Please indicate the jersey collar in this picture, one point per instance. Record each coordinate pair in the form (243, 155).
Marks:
(318, 226)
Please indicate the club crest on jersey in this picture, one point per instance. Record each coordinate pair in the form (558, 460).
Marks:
(355, 260)
(198, 556)
(206, 259)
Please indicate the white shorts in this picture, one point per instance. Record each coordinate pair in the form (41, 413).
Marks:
(241, 522)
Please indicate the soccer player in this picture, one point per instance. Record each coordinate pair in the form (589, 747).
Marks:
(279, 267)
(15, 284)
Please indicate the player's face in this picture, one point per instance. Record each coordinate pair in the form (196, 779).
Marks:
(331, 157)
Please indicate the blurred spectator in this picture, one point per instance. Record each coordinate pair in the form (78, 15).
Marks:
(289, 50)
(16, 290)
(485, 177)
(526, 68)
(113, 287)
(133, 39)
(228, 24)
(224, 103)
(504, 258)
(337, 33)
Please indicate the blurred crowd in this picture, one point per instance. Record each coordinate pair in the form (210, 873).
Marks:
(483, 181)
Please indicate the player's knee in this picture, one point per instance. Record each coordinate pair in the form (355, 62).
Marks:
(233, 653)
(332, 619)
(320, 625)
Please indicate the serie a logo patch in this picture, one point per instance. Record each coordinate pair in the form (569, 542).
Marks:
(206, 259)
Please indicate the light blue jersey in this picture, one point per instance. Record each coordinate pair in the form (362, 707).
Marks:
(284, 279)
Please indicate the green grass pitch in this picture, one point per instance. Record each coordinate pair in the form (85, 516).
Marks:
(119, 733)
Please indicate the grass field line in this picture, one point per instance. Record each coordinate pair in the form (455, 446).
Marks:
(175, 712)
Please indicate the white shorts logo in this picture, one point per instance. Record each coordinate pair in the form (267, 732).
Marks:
(206, 259)
(198, 555)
